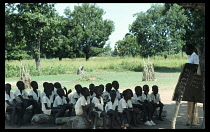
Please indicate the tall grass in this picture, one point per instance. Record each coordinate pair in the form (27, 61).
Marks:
(95, 64)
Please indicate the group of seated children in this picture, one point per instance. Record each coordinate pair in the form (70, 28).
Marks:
(91, 103)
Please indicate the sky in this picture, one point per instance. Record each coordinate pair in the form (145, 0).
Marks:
(120, 13)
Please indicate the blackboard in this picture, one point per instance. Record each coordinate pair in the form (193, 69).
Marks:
(190, 83)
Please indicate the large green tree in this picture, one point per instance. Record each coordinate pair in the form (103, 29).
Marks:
(35, 23)
(128, 46)
(15, 43)
(158, 31)
(88, 28)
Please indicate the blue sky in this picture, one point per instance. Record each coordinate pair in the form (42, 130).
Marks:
(120, 13)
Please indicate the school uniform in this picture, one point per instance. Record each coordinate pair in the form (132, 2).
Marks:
(146, 97)
(92, 96)
(154, 98)
(55, 92)
(81, 102)
(35, 96)
(46, 100)
(111, 106)
(9, 98)
(123, 104)
(24, 94)
(118, 95)
(73, 96)
(136, 98)
(106, 96)
(44, 94)
(99, 105)
(59, 101)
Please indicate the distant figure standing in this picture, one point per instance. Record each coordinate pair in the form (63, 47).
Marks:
(193, 59)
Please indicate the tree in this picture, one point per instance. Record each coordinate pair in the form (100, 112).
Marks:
(88, 28)
(15, 43)
(36, 25)
(197, 10)
(128, 46)
(159, 31)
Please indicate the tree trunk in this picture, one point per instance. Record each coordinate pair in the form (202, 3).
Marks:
(201, 53)
(37, 56)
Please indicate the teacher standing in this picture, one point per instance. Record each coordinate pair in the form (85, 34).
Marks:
(193, 59)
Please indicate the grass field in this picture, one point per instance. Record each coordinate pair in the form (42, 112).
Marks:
(95, 64)
(126, 70)
(165, 81)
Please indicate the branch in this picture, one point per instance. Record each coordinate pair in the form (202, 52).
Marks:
(199, 6)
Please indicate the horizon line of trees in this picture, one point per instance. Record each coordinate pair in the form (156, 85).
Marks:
(36, 30)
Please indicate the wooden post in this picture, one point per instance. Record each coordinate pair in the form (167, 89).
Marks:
(192, 116)
(178, 101)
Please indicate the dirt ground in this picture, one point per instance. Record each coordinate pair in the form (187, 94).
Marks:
(166, 96)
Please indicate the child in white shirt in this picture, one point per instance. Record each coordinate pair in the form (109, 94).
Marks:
(60, 102)
(84, 107)
(156, 101)
(99, 105)
(147, 101)
(35, 94)
(10, 104)
(112, 108)
(125, 108)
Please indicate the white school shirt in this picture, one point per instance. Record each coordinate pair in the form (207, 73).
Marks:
(35, 97)
(118, 96)
(55, 92)
(111, 106)
(59, 101)
(135, 99)
(17, 93)
(100, 106)
(193, 58)
(44, 94)
(123, 104)
(146, 97)
(9, 98)
(73, 96)
(106, 96)
(45, 99)
(155, 99)
(92, 96)
(81, 102)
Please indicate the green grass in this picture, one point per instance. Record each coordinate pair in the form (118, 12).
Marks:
(165, 81)
(95, 64)
(126, 70)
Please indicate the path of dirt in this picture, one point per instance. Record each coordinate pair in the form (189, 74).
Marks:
(166, 96)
